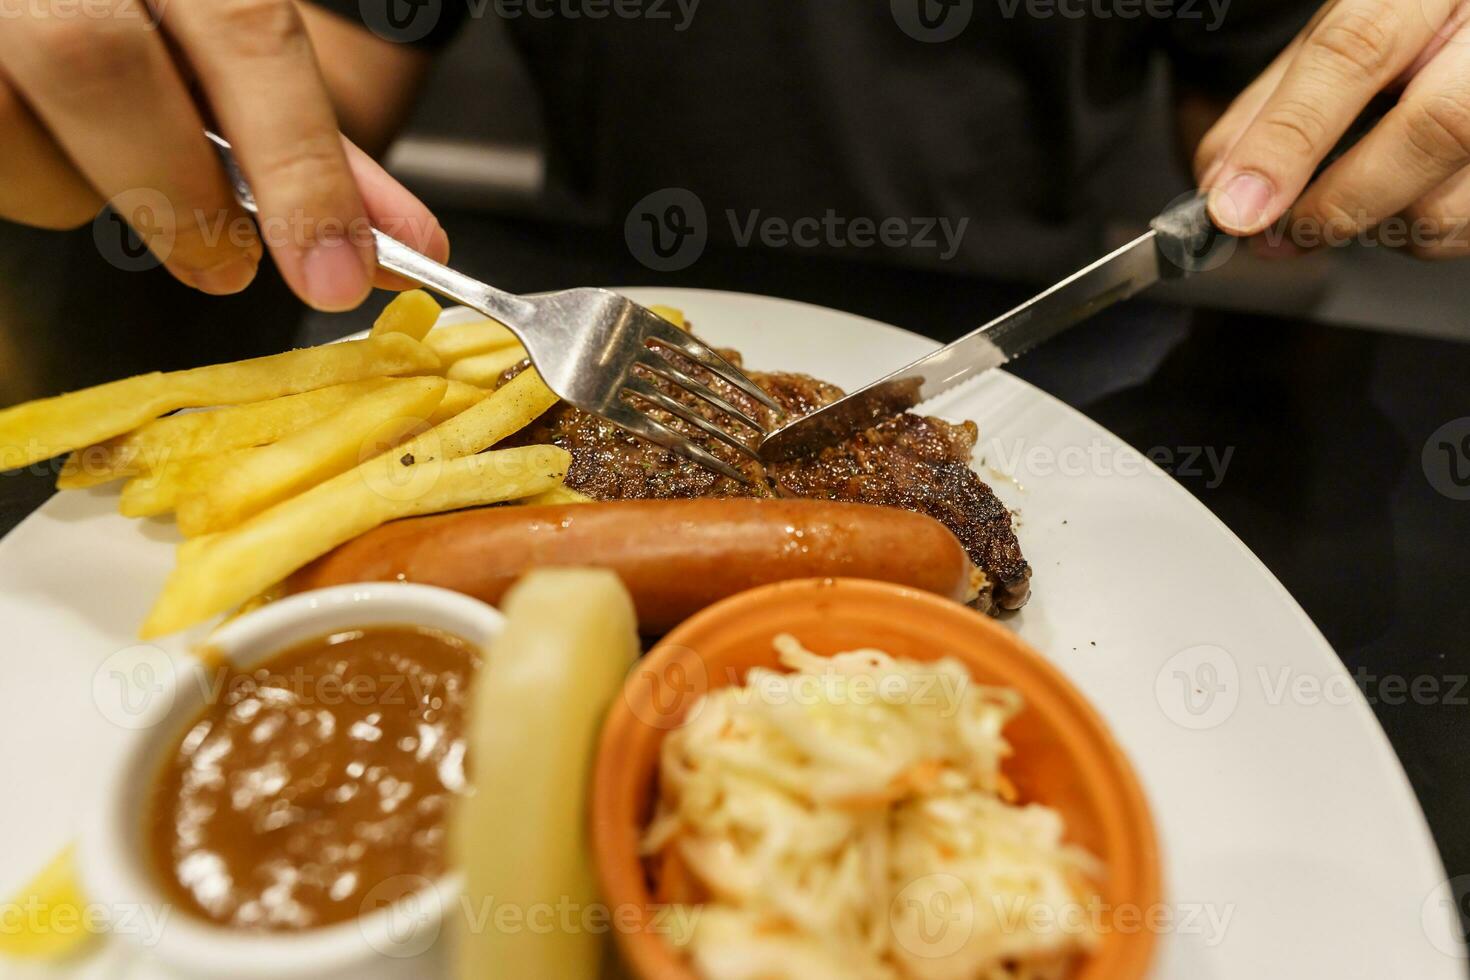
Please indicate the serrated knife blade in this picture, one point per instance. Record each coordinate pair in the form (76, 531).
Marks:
(1180, 242)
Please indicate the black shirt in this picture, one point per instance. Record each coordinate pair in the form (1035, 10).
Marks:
(999, 131)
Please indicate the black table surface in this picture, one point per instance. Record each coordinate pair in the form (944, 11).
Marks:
(1326, 426)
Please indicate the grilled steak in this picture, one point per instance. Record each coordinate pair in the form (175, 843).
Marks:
(910, 461)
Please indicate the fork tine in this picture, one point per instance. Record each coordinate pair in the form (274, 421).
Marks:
(655, 432)
(697, 350)
(648, 392)
(663, 367)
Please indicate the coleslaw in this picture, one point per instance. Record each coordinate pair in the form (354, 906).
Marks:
(849, 818)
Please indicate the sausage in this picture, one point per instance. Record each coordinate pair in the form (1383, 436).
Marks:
(674, 556)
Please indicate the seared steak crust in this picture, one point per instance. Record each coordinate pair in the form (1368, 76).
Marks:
(909, 461)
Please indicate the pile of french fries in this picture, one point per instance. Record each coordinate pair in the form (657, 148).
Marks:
(300, 452)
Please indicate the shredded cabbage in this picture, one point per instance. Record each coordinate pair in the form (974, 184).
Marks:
(849, 818)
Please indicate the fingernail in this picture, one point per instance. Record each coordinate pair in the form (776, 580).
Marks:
(1240, 206)
(225, 279)
(334, 276)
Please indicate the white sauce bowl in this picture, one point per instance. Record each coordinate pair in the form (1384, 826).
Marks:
(399, 938)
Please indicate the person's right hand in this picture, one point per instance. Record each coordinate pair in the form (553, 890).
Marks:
(96, 105)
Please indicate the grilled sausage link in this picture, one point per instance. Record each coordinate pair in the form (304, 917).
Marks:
(675, 556)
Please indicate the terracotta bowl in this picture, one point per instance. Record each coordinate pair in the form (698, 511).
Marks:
(1064, 755)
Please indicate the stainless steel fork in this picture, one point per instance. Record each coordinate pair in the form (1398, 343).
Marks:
(586, 343)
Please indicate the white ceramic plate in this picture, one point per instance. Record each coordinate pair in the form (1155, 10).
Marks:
(1293, 845)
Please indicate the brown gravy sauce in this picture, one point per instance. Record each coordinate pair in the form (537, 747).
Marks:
(320, 775)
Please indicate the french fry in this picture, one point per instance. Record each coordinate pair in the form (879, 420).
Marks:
(485, 370)
(56, 891)
(518, 403)
(672, 314)
(458, 397)
(557, 495)
(225, 490)
(412, 313)
(47, 427)
(456, 341)
(196, 434)
(229, 568)
(156, 491)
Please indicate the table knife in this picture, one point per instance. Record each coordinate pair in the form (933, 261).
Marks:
(1179, 242)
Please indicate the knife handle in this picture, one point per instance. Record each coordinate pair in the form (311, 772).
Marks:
(1191, 241)
(1188, 239)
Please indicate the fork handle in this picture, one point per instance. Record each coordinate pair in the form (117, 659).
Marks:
(398, 258)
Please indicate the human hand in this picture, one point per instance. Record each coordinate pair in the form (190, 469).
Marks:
(1258, 158)
(105, 102)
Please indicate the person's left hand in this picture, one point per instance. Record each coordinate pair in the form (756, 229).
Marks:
(1414, 164)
